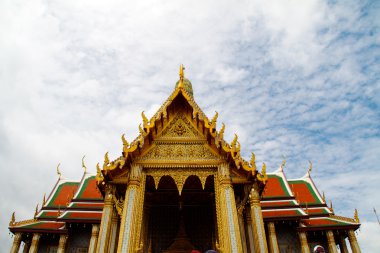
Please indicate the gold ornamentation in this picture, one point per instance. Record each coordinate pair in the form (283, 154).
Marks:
(179, 152)
(341, 218)
(179, 127)
(310, 168)
(156, 181)
(263, 175)
(179, 175)
(126, 147)
(283, 163)
(181, 76)
(36, 212)
(58, 171)
(99, 176)
(331, 207)
(145, 119)
(211, 125)
(44, 200)
(13, 219)
(356, 216)
(119, 204)
(106, 160)
(118, 163)
(83, 165)
(22, 223)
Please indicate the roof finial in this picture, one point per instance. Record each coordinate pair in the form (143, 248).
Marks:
(83, 165)
(331, 206)
(323, 197)
(58, 171)
(283, 163)
(36, 212)
(13, 219)
(356, 216)
(181, 76)
(44, 200)
(310, 168)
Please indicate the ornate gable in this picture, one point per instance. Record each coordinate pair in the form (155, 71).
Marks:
(180, 128)
(179, 142)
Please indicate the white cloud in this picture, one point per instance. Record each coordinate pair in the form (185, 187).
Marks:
(299, 79)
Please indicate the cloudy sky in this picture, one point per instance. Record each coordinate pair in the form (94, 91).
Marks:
(293, 78)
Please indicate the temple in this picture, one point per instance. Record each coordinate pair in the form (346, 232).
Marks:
(180, 186)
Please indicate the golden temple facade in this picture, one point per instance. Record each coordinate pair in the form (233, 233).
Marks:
(178, 187)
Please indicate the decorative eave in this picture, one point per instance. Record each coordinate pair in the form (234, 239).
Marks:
(232, 150)
(37, 226)
(328, 223)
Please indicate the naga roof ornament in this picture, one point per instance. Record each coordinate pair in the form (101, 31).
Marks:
(83, 165)
(356, 216)
(310, 168)
(36, 212)
(99, 176)
(13, 219)
(58, 171)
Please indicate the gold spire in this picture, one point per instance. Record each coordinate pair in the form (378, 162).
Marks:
(356, 216)
(323, 197)
(83, 165)
(44, 200)
(58, 171)
(181, 76)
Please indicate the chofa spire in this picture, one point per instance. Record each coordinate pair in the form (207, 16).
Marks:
(184, 83)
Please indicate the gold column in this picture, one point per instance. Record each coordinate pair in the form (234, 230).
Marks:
(353, 242)
(62, 243)
(228, 226)
(94, 238)
(26, 246)
(130, 228)
(35, 241)
(231, 240)
(343, 245)
(242, 229)
(304, 245)
(113, 236)
(273, 244)
(105, 224)
(249, 230)
(16, 243)
(331, 242)
(258, 231)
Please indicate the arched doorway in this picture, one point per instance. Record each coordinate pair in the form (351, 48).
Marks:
(176, 222)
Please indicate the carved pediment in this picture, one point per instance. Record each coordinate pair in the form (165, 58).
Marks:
(180, 128)
(179, 152)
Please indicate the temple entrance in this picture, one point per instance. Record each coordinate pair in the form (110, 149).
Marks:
(180, 223)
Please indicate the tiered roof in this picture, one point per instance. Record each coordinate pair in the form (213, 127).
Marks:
(300, 200)
(69, 201)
